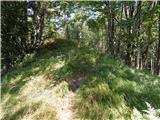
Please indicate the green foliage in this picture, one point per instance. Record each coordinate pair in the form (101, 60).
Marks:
(96, 99)
(108, 89)
(111, 84)
(82, 62)
(126, 23)
(92, 24)
(14, 32)
(50, 30)
(20, 113)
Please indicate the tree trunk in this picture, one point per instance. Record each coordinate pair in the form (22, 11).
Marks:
(41, 22)
(158, 48)
(152, 65)
(129, 10)
(110, 13)
(138, 23)
(38, 23)
(120, 31)
(67, 31)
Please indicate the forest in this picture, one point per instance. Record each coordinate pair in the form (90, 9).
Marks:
(80, 60)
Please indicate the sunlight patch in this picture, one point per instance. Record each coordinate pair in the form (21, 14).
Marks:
(59, 65)
(36, 85)
(14, 80)
(55, 66)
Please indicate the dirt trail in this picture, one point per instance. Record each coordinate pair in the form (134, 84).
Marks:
(63, 105)
(66, 111)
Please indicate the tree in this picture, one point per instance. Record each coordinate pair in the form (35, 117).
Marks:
(37, 22)
(14, 32)
(138, 23)
(158, 45)
(110, 14)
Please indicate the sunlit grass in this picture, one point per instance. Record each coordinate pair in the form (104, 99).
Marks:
(30, 82)
(108, 89)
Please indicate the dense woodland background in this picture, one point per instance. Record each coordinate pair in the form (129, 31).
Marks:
(80, 60)
(128, 31)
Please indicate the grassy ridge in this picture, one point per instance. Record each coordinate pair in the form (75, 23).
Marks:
(109, 89)
(106, 89)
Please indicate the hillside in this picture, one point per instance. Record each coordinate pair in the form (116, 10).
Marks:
(63, 81)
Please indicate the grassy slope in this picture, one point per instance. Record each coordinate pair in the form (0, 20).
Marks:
(105, 88)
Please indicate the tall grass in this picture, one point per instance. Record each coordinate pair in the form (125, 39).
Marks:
(106, 90)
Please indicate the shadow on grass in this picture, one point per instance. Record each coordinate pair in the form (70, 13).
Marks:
(137, 99)
(12, 85)
(124, 84)
(36, 64)
(17, 115)
(21, 112)
(101, 82)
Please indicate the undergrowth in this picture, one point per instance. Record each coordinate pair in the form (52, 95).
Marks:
(106, 90)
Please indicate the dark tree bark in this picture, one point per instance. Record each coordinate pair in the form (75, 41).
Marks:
(138, 23)
(110, 14)
(129, 10)
(118, 40)
(67, 34)
(158, 47)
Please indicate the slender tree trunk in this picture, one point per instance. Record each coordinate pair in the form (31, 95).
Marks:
(145, 52)
(118, 40)
(67, 31)
(152, 65)
(158, 48)
(38, 23)
(138, 58)
(129, 10)
(110, 13)
(138, 23)
(41, 22)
